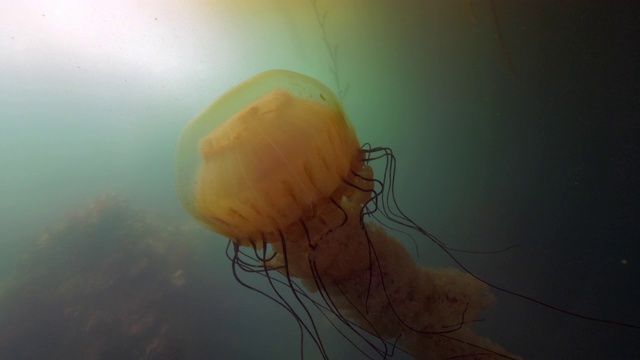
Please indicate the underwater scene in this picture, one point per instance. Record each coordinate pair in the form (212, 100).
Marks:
(319, 179)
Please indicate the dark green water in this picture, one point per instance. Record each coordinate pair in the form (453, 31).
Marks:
(525, 134)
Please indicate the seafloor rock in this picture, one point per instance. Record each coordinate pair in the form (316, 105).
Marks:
(109, 283)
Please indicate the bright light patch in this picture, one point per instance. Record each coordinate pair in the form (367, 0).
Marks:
(155, 38)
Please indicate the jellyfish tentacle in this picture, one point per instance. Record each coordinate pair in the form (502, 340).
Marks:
(344, 213)
(326, 297)
(409, 223)
(287, 170)
(281, 301)
(332, 50)
(448, 251)
(315, 335)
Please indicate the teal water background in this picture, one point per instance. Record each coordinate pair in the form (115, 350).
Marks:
(543, 156)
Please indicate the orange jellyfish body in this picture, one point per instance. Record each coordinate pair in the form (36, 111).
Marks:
(284, 149)
(275, 163)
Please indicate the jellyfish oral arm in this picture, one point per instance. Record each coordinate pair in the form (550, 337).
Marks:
(374, 282)
(274, 163)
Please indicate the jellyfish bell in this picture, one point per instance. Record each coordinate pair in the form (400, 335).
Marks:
(274, 164)
(279, 155)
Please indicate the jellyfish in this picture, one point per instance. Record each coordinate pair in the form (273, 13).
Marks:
(275, 166)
